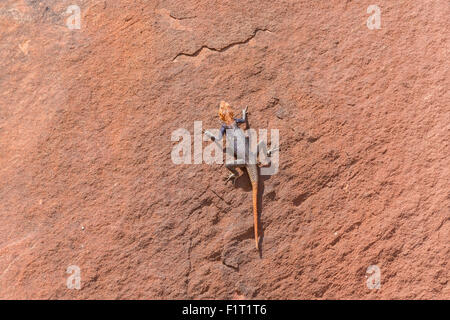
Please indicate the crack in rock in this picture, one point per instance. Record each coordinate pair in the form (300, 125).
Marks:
(197, 52)
(181, 18)
(187, 281)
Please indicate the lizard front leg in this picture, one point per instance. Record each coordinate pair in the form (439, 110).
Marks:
(244, 113)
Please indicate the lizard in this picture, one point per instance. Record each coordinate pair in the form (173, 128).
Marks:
(240, 150)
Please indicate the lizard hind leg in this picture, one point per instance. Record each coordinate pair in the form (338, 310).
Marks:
(234, 173)
(262, 148)
(267, 154)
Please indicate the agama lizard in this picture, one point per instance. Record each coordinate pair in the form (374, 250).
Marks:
(240, 150)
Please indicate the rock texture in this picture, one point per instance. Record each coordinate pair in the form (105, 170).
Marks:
(86, 179)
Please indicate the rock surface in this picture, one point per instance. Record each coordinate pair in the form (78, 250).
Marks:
(86, 178)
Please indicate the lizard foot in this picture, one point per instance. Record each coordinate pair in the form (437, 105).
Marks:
(231, 177)
(269, 153)
(245, 112)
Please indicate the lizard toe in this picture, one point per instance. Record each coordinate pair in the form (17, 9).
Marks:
(231, 177)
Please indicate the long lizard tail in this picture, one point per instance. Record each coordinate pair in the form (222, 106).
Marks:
(255, 212)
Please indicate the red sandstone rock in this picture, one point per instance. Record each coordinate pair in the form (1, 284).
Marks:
(86, 178)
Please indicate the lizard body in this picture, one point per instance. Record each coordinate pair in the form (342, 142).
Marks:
(241, 152)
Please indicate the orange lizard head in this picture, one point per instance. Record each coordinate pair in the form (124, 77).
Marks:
(226, 113)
